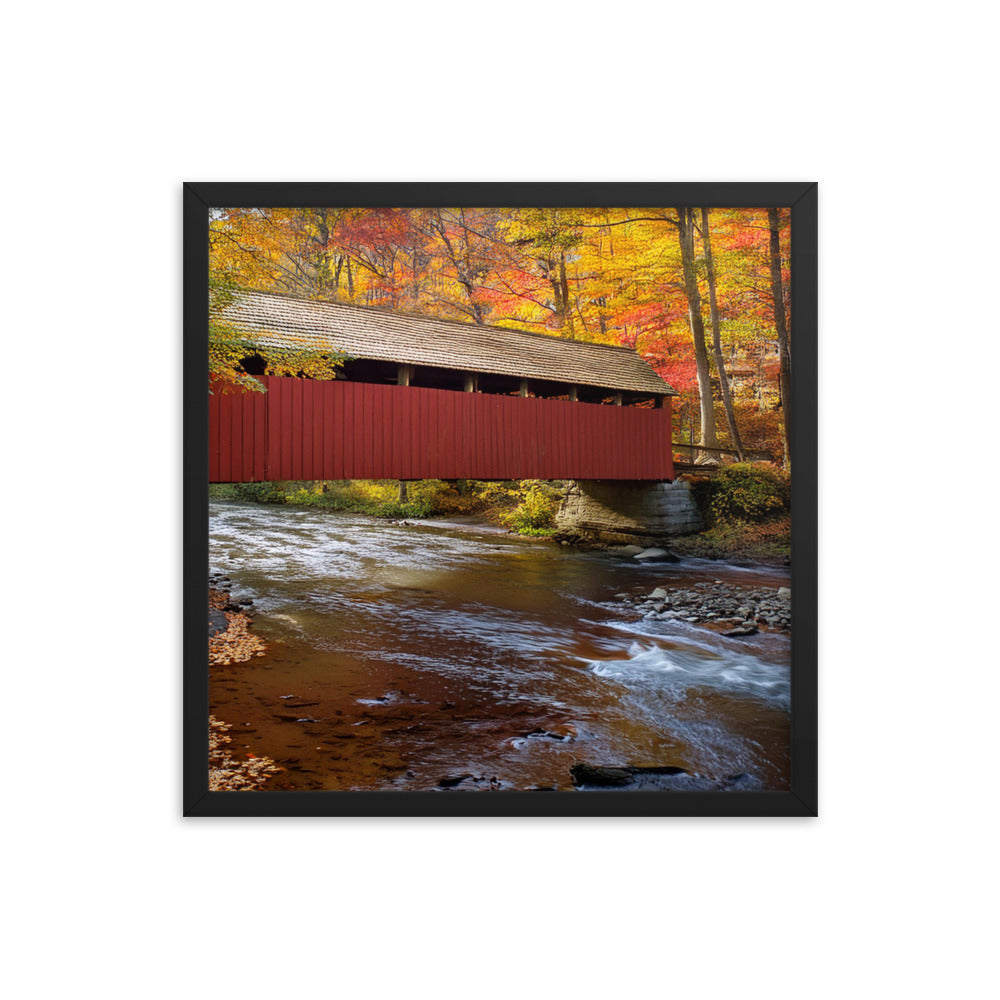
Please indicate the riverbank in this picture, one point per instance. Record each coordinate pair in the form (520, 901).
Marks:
(769, 544)
(228, 772)
(230, 642)
(525, 507)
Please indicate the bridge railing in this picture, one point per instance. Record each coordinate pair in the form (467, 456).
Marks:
(693, 454)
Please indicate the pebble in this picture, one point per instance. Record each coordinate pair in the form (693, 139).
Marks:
(717, 603)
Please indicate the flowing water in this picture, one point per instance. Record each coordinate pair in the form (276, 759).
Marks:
(401, 655)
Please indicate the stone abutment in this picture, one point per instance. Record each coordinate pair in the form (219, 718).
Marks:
(626, 513)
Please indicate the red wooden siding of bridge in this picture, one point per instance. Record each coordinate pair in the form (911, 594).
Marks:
(301, 429)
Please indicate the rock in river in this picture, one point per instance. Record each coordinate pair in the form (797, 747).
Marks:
(734, 633)
(451, 780)
(217, 621)
(657, 555)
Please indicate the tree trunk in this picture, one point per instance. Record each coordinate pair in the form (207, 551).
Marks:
(720, 364)
(686, 233)
(784, 347)
(403, 496)
(323, 252)
(567, 310)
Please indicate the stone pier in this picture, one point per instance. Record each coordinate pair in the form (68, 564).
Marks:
(626, 513)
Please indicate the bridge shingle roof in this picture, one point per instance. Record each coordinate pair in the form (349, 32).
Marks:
(377, 334)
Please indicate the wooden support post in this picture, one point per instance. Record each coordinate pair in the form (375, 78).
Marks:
(404, 374)
(523, 391)
(618, 399)
(574, 396)
(471, 381)
(659, 402)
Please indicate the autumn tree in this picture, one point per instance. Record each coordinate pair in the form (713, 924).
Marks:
(615, 275)
(784, 347)
(720, 364)
(685, 230)
(231, 352)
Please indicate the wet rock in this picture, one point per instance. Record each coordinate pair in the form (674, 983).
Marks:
(217, 621)
(784, 594)
(630, 550)
(601, 777)
(594, 776)
(740, 782)
(545, 734)
(667, 778)
(741, 630)
(450, 781)
(658, 595)
(655, 555)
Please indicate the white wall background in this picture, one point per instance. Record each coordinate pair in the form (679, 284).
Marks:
(109, 107)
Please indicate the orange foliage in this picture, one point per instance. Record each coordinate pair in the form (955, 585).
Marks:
(609, 275)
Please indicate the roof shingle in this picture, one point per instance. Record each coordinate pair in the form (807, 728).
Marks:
(285, 321)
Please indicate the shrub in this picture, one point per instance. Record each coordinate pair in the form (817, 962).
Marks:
(222, 491)
(745, 493)
(527, 507)
(535, 510)
(769, 542)
(260, 492)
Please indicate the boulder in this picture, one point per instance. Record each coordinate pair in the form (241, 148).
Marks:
(217, 622)
(450, 781)
(742, 630)
(604, 777)
(657, 555)
(784, 594)
(593, 776)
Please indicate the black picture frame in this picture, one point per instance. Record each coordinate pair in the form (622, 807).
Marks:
(802, 797)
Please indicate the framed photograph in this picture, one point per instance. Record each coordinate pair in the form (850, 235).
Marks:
(496, 497)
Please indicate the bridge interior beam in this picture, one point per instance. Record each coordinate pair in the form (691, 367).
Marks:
(423, 376)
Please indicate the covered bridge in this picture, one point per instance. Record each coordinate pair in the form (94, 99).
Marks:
(423, 398)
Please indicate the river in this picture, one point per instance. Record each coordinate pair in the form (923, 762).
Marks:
(404, 655)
